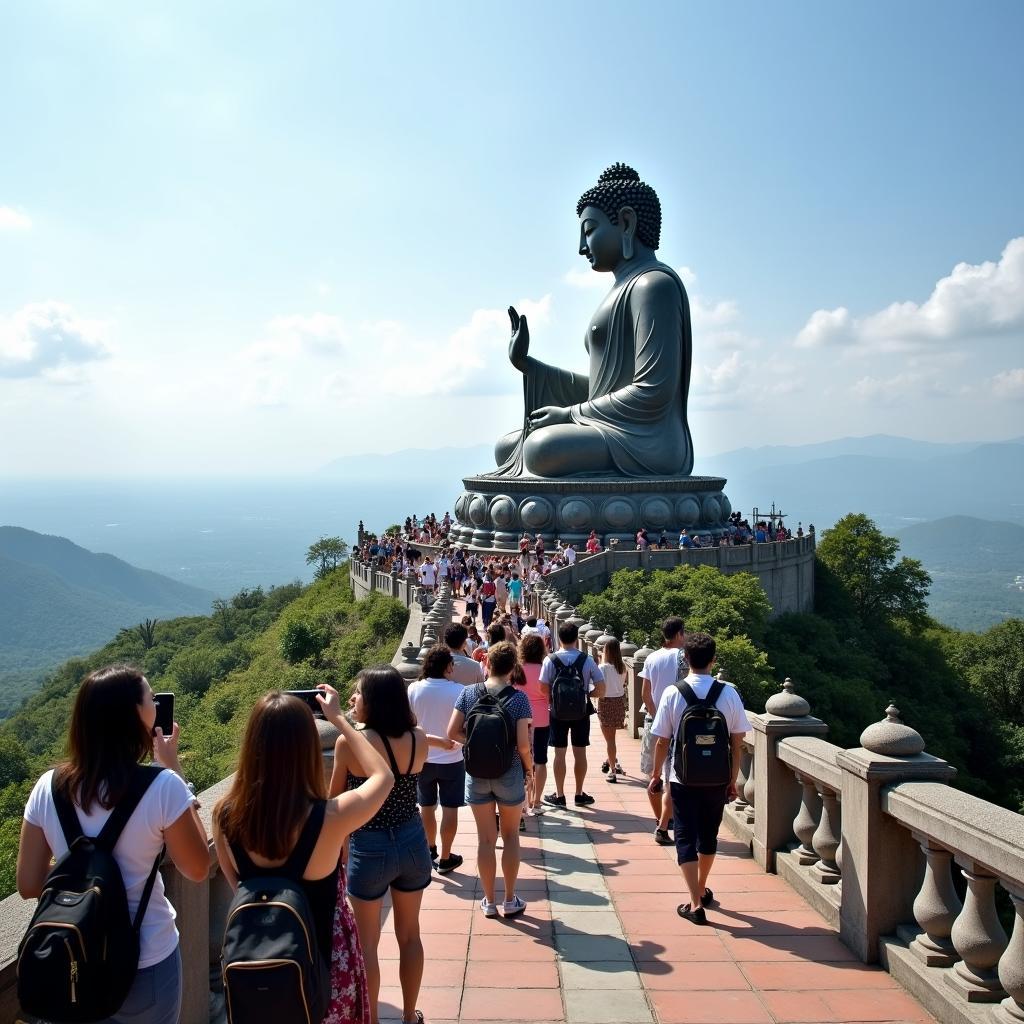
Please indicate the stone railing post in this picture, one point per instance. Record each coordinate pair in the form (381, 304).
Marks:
(637, 690)
(192, 906)
(881, 859)
(776, 792)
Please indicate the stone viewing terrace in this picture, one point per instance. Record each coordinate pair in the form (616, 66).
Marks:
(853, 885)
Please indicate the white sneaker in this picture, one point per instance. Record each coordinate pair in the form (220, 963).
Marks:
(489, 909)
(514, 906)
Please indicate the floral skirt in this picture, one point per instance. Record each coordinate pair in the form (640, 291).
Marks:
(350, 1000)
(612, 712)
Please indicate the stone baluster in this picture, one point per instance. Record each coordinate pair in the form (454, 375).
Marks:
(936, 907)
(772, 785)
(750, 790)
(881, 859)
(740, 803)
(826, 838)
(1011, 966)
(979, 940)
(805, 824)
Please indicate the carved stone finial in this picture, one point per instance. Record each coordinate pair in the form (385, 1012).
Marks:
(891, 737)
(640, 656)
(788, 703)
(627, 648)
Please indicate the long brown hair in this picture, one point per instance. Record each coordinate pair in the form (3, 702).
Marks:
(280, 773)
(613, 655)
(106, 738)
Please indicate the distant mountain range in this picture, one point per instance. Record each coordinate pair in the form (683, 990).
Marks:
(897, 480)
(58, 600)
(974, 564)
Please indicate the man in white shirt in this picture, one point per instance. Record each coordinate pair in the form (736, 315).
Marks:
(428, 574)
(465, 670)
(559, 730)
(443, 568)
(443, 776)
(697, 802)
(660, 671)
(570, 555)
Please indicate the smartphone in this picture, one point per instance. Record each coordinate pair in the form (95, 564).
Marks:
(308, 697)
(164, 713)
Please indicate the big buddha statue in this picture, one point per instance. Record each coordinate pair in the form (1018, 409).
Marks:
(627, 416)
(609, 450)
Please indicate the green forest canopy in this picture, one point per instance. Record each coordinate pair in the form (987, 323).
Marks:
(869, 642)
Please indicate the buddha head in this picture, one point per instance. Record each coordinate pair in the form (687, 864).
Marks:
(620, 217)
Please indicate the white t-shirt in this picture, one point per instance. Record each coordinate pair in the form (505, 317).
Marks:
(673, 704)
(542, 628)
(166, 800)
(442, 567)
(614, 680)
(433, 701)
(662, 669)
(570, 555)
(427, 572)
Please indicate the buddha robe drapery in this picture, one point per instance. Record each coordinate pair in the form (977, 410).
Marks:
(635, 394)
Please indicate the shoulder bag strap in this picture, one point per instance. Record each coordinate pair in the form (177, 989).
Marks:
(714, 693)
(688, 695)
(144, 777)
(298, 861)
(66, 814)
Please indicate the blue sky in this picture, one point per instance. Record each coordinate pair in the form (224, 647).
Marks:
(251, 237)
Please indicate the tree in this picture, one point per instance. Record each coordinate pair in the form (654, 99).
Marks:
(301, 640)
(147, 633)
(864, 560)
(326, 553)
(194, 668)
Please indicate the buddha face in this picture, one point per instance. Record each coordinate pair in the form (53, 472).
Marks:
(600, 239)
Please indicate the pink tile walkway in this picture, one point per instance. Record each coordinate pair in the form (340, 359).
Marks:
(601, 942)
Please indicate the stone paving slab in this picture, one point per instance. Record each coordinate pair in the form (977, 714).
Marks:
(601, 942)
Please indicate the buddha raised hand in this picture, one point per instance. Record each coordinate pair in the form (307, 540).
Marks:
(628, 416)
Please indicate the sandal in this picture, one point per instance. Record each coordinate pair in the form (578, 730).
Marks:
(417, 1020)
(604, 767)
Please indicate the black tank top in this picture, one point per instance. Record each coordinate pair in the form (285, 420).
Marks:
(322, 893)
(400, 805)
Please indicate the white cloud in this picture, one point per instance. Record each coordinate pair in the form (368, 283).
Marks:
(902, 387)
(712, 315)
(975, 300)
(298, 334)
(318, 355)
(14, 220)
(589, 279)
(45, 339)
(1009, 384)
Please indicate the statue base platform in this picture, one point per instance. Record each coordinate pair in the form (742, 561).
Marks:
(494, 512)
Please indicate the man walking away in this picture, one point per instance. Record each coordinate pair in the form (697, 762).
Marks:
(465, 670)
(660, 671)
(443, 776)
(569, 679)
(703, 722)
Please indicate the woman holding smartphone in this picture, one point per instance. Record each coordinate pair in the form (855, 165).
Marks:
(111, 732)
(278, 802)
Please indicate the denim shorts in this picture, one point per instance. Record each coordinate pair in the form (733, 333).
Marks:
(388, 858)
(444, 782)
(508, 790)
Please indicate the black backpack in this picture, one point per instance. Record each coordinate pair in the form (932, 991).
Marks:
(80, 954)
(568, 691)
(271, 963)
(703, 748)
(490, 735)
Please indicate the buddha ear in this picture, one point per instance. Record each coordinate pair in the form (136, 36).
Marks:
(628, 221)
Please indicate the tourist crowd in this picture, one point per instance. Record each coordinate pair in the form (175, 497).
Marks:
(308, 857)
